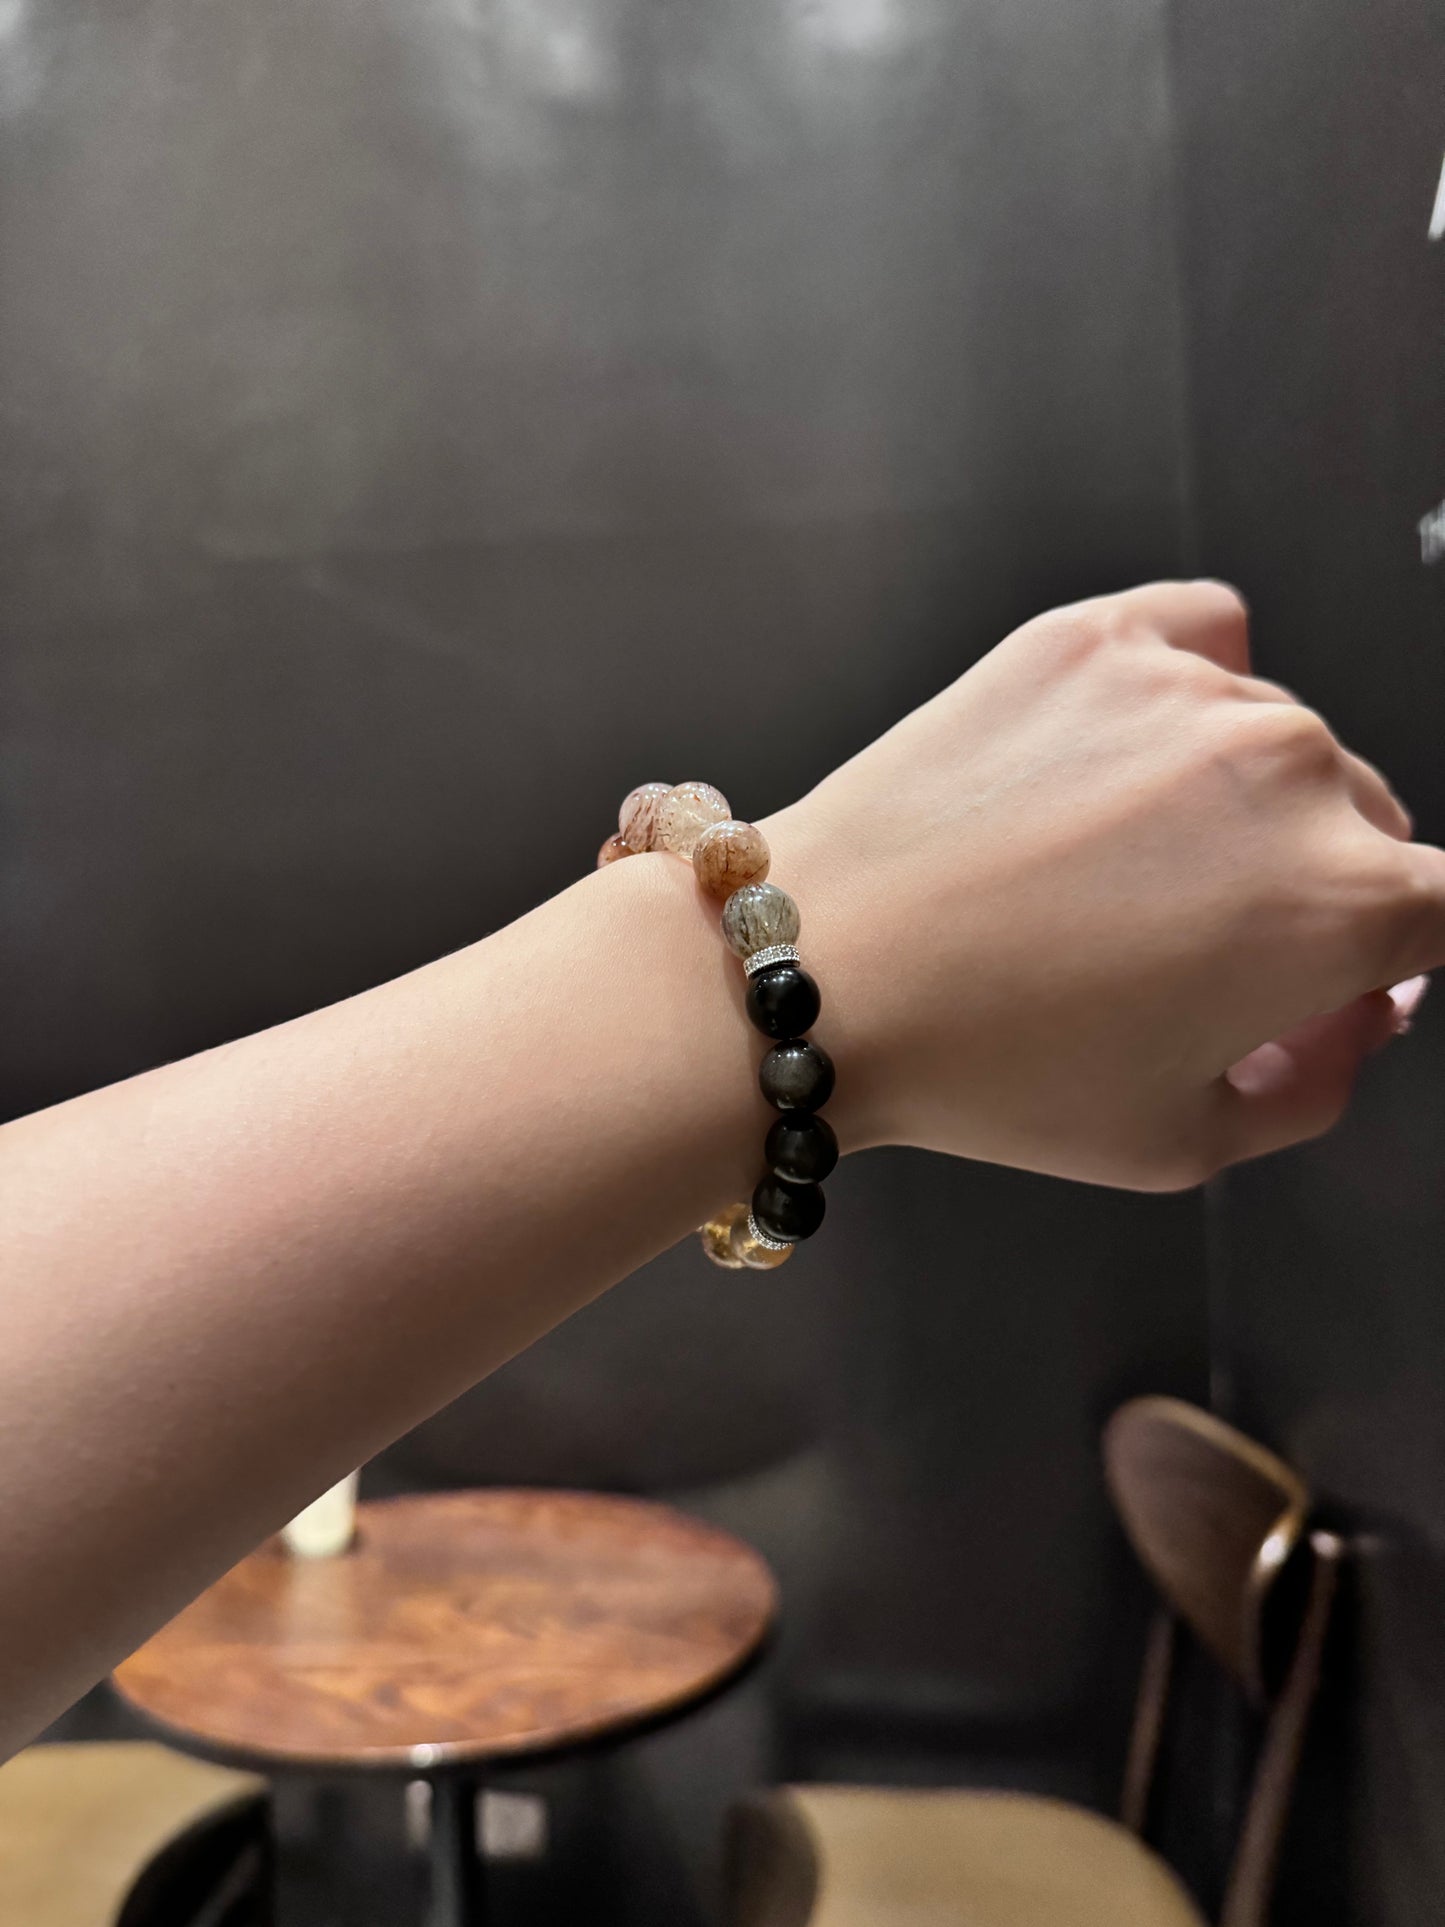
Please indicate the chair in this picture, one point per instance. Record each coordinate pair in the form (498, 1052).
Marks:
(1218, 1523)
(121, 1833)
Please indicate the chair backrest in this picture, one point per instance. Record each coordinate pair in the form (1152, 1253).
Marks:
(1213, 1518)
(1216, 1520)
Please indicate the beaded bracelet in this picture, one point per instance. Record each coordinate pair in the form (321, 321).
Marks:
(760, 923)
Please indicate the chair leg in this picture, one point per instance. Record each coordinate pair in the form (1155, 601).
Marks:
(1251, 1879)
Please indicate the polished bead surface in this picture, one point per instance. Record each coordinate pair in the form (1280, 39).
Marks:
(797, 1076)
(783, 1001)
(746, 1249)
(728, 855)
(791, 1211)
(717, 1234)
(758, 915)
(637, 819)
(801, 1148)
(685, 812)
(611, 850)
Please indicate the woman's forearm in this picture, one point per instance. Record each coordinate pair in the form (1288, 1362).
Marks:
(231, 1279)
(1109, 907)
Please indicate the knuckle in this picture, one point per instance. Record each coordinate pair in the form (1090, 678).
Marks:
(1316, 1119)
(1197, 676)
(1380, 914)
(1262, 689)
(1177, 1165)
(1185, 1173)
(1323, 1115)
(1223, 603)
(1072, 635)
(1284, 735)
(1408, 913)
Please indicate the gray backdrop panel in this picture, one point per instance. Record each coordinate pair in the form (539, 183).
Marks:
(405, 406)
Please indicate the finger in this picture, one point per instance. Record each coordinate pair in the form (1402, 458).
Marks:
(1416, 942)
(1207, 618)
(1259, 689)
(1407, 999)
(1371, 793)
(1374, 799)
(1299, 1086)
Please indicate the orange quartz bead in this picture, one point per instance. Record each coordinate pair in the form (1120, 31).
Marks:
(728, 855)
(685, 812)
(637, 819)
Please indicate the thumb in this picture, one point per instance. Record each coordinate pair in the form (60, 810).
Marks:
(1298, 1086)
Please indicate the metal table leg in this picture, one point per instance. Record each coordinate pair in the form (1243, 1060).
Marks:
(457, 1899)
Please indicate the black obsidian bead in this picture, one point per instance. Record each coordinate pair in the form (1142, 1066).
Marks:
(783, 1001)
(797, 1076)
(801, 1148)
(788, 1211)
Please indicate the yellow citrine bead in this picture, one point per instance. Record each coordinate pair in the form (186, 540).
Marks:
(716, 1236)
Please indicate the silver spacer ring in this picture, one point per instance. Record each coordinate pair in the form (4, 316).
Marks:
(775, 953)
(760, 1237)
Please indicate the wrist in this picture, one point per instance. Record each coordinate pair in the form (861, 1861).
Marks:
(760, 922)
(685, 995)
(721, 903)
(833, 943)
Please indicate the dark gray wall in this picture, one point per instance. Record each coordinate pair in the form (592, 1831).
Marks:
(403, 405)
(1312, 146)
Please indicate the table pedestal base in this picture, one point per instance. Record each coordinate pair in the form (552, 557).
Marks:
(457, 1898)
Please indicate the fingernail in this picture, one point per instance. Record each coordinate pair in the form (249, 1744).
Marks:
(1407, 998)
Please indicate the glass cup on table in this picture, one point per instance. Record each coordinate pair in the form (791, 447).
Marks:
(327, 1526)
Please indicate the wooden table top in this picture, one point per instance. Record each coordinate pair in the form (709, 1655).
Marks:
(461, 1626)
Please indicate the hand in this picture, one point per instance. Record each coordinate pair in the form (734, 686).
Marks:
(1109, 906)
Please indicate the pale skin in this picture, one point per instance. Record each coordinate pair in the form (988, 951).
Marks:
(1107, 907)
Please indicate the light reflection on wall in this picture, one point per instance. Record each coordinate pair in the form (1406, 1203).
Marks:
(557, 49)
(852, 26)
(21, 67)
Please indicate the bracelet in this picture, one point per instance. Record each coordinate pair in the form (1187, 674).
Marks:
(760, 924)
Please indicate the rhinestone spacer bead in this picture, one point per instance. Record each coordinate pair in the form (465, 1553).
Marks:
(759, 1236)
(775, 953)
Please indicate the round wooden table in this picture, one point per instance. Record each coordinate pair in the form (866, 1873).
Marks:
(460, 1628)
